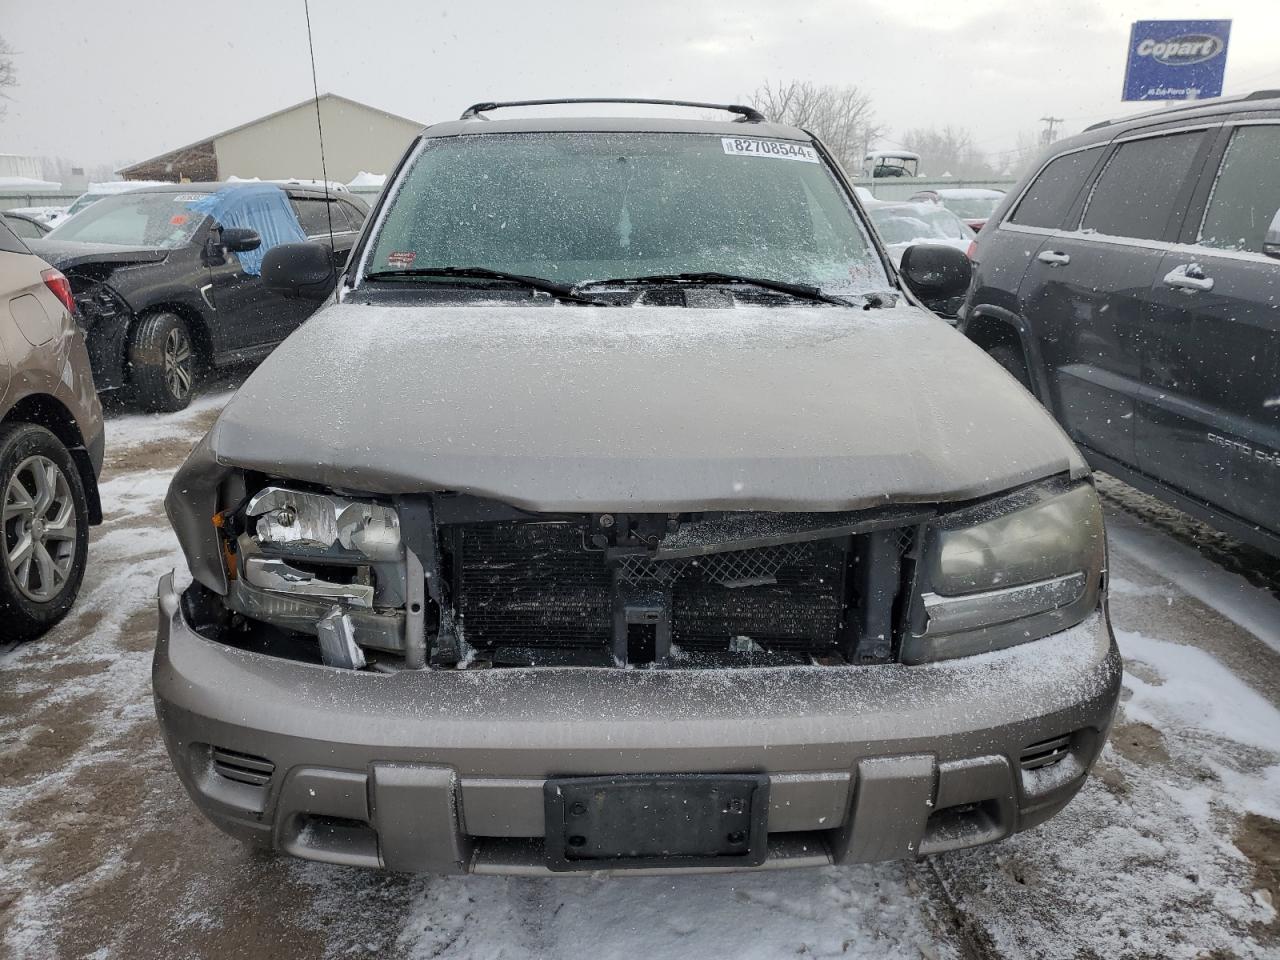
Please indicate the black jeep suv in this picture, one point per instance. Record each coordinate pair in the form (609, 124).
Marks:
(1132, 282)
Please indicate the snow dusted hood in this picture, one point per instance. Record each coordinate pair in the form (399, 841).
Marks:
(567, 408)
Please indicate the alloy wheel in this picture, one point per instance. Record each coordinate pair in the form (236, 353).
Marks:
(38, 521)
(178, 363)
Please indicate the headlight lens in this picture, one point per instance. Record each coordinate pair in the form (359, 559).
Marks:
(1008, 571)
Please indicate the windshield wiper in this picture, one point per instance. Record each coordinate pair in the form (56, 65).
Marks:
(562, 291)
(801, 291)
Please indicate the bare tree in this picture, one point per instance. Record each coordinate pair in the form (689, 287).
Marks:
(8, 73)
(949, 150)
(839, 116)
(1027, 147)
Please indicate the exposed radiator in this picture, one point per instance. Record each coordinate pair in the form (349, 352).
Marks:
(544, 586)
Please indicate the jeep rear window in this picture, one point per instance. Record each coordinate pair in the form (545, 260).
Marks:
(586, 206)
(1137, 191)
(1246, 193)
(1048, 199)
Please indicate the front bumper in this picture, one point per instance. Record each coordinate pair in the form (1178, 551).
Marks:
(443, 771)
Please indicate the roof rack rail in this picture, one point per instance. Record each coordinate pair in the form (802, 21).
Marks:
(745, 114)
(1188, 105)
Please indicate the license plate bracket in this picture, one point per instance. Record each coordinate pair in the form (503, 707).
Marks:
(656, 820)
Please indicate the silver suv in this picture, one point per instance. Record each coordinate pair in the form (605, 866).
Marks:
(624, 509)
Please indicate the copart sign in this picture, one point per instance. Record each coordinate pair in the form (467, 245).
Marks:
(1176, 59)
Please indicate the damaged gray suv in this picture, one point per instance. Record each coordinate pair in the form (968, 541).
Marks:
(624, 509)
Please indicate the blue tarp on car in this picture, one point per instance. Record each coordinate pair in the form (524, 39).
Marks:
(263, 207)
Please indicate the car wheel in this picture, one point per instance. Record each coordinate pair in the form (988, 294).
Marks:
(163, 362)
(44, 531)
(1011, 359)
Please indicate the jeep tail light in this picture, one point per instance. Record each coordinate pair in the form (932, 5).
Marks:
(60, 287)
(973, 248)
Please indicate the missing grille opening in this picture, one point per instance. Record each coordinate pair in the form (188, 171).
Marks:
(556, 591)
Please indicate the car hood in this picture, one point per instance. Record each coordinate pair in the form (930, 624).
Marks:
(67, 255)
(566, 408)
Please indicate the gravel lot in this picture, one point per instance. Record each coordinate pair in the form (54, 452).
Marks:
(1172, 850)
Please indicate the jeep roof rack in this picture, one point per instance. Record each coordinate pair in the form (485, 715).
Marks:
(745, 114)
(1188, 105)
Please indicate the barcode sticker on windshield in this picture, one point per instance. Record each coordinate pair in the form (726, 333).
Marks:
(780, 149)
(188, 197)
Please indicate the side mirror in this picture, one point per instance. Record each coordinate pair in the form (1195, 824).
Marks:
(935, 272)
(240, 239)
(1271, 242)
(299, 270)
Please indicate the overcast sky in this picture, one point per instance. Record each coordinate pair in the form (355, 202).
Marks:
(115, 82)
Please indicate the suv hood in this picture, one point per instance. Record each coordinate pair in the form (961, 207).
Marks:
(563, 408)
(67, 255)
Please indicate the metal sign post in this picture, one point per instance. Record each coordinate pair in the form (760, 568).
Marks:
(1176, 59)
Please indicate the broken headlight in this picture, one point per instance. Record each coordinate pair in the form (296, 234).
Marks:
(324, 564)
(1008, 571)
(99, 303)
(309, 522)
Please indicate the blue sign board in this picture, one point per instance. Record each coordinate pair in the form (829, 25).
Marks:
(1176, 59)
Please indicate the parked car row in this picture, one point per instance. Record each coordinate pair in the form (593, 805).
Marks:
(638, 407)
(903, 225)
(141, 292)
(973, 205)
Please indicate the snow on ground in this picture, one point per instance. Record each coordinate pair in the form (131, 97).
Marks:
(1246, 605)
(1171, 851)
(1188, 690)
(130, 429)
(73, 705)
(879, 911)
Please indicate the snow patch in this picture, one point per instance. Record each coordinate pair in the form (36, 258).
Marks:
(1244, 604)
(131, 429)
(1197, 693)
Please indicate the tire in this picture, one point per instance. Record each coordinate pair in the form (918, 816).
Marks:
(38, 588)
(1011, 359)
(163, 362)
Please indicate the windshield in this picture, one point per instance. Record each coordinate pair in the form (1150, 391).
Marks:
(973, 208)
(918, 221)
(134, 220)
(83, 201)
(587, 206)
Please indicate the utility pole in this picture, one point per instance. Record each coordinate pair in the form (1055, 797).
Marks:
(1047, 135)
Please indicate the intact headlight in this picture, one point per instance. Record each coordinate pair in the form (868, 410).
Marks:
(1008, 571)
